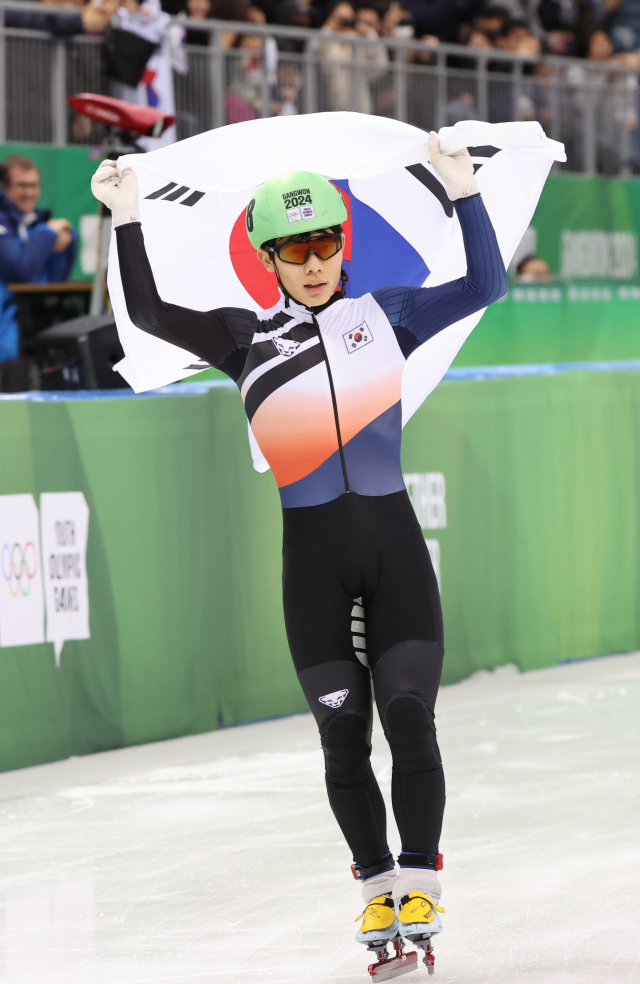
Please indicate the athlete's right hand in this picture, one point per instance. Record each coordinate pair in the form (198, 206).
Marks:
(120, 194)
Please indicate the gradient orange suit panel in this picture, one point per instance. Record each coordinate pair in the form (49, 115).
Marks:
(295, 425)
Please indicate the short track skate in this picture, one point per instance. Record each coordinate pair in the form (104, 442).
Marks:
(390, 966)
(424, 943)
(393, 965)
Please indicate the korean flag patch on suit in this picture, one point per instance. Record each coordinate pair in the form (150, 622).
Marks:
(358, 338)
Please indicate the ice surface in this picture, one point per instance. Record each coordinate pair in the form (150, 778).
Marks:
(215, 859)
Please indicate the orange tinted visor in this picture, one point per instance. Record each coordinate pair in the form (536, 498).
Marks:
(298, 252)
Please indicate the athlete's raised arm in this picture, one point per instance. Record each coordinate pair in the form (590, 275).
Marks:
(418, 313)
(220, 337)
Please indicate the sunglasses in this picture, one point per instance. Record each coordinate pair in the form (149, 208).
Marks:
(298, 252)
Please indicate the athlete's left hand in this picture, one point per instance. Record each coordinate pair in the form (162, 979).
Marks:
(456, 170)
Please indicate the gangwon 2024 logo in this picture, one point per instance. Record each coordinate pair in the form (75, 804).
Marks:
(298, 205)
(19, 565)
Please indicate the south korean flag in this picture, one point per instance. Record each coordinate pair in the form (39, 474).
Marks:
(401, 226)
(358, 338)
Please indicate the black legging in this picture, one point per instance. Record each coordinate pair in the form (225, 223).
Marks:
(339, 557)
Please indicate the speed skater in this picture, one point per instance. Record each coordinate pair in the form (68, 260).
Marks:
(320, 375)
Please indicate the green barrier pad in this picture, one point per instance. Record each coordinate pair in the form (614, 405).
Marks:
(572, 322)
(533, 524)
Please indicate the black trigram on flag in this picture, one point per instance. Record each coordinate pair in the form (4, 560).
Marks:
(171, 193)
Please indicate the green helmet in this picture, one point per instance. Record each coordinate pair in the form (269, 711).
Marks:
(293, 202)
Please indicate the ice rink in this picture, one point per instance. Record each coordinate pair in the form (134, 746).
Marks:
(216, 859)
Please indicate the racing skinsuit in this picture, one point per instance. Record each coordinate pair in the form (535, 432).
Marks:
(321, 388)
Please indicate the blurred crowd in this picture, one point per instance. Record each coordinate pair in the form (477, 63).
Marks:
(596, 29)
(149, 45)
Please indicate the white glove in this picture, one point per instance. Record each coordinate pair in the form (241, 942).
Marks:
(120, 194)
(456, 170)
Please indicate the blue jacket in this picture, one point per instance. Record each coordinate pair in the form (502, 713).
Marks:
(26, 256)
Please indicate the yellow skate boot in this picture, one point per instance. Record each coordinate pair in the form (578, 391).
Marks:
(379, 922)
(418, 916)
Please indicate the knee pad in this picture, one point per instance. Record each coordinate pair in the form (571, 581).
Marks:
(347, 748)
(339, 695)
(406, 681)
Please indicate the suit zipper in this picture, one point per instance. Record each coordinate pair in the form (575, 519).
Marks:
(335, 405)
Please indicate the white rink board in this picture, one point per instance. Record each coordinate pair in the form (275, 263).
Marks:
(142, 865)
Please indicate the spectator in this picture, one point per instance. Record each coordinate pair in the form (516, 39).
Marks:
(34, 248)
(517, 37)
(243, 100)
(533, 269)
(599, 46)
(479, 35)
(579, 18)
(368, 22)
(461, 108)
(491, 22)
(256, 15)
(289, 85)
(344, 89)
(254, 76)
(89, 18)
(341, 19)
(198, 10)
(397, 22)
(144, 50)
(627, 26)
(232, 10)
(294, 13)
(562, 43)
(479, 41)
(443, 18)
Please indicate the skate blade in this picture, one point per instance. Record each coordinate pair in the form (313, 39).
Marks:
(386, 970)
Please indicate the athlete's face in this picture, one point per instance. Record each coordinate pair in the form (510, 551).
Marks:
(311, 283)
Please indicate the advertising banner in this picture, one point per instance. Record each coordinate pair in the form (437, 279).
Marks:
(21, 596)
(64, 523)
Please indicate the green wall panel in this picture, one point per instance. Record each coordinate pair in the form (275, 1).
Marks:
(539, 556)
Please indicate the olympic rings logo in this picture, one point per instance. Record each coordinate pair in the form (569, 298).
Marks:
(19, 567)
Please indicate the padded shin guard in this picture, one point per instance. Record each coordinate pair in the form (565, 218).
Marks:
(339, 695)
(406, 681)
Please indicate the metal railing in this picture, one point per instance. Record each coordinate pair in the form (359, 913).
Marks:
(591, 106)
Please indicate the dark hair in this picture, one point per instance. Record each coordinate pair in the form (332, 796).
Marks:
(20, 161)
(332, 6)
(295, 14)
(511, 25)
(230, 10)
(494, 12)
(522, 264)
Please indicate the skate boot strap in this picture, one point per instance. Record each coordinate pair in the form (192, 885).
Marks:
(424, 902)
(415, 859)
(361, 873)
(383, 900)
